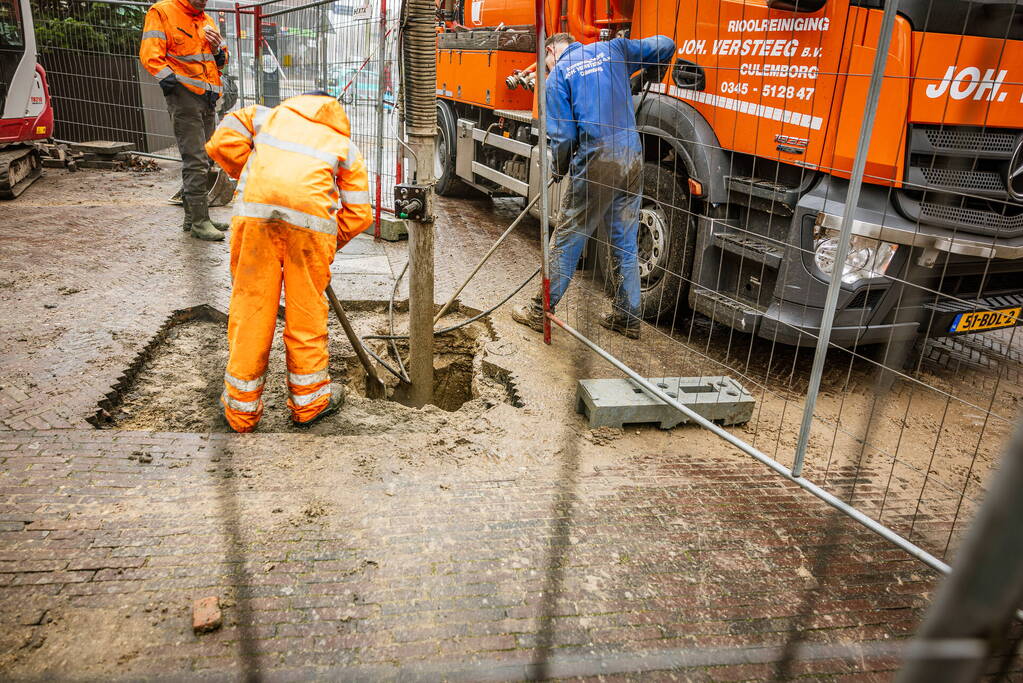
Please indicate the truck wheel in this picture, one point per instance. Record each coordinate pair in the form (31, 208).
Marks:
(667, 242)
(448, 184)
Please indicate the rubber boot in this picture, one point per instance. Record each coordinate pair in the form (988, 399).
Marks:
(337, 399)
(202, 227)
(222, 227)
(186, 223)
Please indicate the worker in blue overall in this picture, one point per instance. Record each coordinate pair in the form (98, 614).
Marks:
(592, 129)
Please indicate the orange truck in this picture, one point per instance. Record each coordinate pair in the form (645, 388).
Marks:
(750, 139)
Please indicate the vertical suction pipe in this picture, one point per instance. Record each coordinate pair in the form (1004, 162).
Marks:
(420, 61)
(543, 166)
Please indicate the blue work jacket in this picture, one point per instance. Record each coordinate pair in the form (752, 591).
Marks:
(589, 97)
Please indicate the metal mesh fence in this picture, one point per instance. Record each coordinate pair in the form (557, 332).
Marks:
(749, 142)
(100, 91)
(346, 50)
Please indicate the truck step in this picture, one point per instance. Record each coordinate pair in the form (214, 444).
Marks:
(617, 402)
(774, 197)
(725, 310)
(750, 248)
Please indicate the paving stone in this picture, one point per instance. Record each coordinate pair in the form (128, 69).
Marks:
(474, 567)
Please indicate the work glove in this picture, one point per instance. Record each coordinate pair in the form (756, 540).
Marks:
(211, 98)
(168, 84)
(561, 162)
(654, 73)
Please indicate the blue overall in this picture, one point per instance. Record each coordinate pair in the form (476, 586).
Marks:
(590, 121)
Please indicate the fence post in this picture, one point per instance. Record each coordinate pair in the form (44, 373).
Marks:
(542, 170)
(851, 200)
(239, 60)
(380, 115)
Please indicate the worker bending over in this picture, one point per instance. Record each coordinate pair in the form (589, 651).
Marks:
(183, 50)
(592, 130)
(303, 194)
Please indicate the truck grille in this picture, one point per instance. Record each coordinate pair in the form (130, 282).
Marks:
(955, 179)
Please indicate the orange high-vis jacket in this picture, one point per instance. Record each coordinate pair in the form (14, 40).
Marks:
(296, 163)
(174, 42)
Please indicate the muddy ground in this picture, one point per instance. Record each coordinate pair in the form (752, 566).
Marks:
(933, 432)
(180, 384)
(94, 263)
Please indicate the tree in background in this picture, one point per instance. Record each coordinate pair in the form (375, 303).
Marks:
(93, 27)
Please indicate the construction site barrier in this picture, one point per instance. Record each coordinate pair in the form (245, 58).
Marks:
(277, 50)
(876, 387)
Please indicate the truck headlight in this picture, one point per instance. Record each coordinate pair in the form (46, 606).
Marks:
(867, 258)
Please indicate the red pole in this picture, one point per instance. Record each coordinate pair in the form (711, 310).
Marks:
(257, 30)
(380, 118)
(539, 94)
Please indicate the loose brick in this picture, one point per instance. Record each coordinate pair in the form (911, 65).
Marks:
(206, 615)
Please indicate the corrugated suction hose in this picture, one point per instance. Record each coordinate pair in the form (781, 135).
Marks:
(420, 62)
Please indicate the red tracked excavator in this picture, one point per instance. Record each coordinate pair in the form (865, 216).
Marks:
(25, 113)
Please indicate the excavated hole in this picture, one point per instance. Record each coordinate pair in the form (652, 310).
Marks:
(176, 381)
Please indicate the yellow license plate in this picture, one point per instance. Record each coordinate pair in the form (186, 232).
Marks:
(985, 320)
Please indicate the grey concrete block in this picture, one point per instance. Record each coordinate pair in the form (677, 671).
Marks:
(106, 148)
(616, 402)
(392, 229)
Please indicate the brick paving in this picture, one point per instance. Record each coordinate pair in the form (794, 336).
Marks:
(514, 546)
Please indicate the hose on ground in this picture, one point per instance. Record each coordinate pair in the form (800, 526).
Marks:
(392, 338)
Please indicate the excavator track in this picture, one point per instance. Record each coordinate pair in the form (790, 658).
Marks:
(19, 167)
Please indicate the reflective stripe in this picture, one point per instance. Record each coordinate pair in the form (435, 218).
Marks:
(288, 215)
(239, 189)
(260, 117)
(306, 399)
(232, 122)
(240, 406)
(297, 148)
(355, 196)
(199, 57)
(244, 384)
(154, 34)
(352, 157)
(309, 379)
(200, 84)
(163, 73)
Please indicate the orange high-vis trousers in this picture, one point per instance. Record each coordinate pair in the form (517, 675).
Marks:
(264, 255)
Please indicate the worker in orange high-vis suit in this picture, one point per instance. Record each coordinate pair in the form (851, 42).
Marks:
(183, 50)
(303, 194)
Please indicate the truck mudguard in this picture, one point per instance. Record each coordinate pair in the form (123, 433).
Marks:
(692, 138)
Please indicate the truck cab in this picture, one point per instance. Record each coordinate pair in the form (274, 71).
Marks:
(750, 139)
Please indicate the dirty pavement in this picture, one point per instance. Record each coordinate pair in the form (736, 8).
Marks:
(493, 536)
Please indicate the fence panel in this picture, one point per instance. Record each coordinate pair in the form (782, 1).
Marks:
(916, 396)
(347, 51)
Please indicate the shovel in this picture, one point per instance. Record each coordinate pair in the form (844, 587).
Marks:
(374, 387)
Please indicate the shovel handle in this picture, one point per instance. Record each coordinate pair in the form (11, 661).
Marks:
(371, 372)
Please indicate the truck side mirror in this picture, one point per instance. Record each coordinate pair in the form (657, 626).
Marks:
(797, 5)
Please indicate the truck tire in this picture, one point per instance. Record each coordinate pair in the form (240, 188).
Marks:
(667, 242)
(448, 184)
